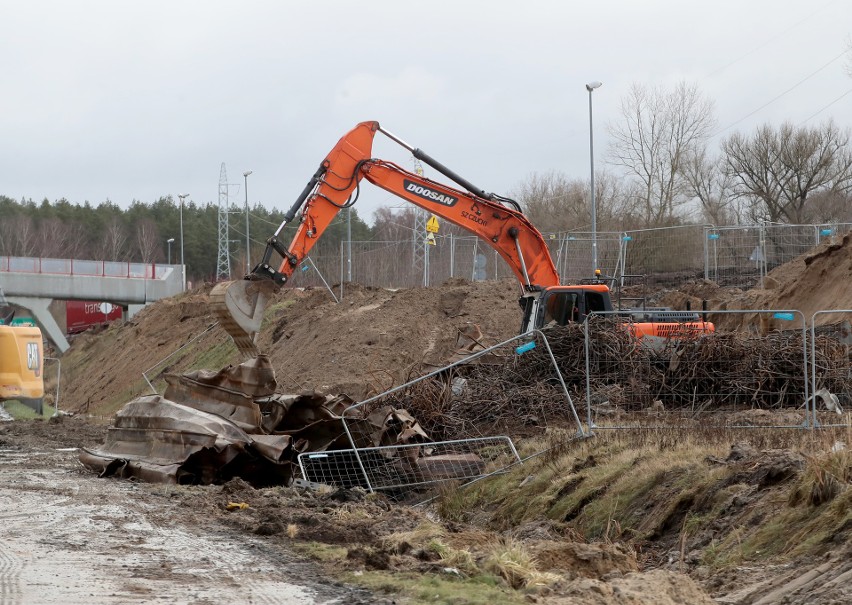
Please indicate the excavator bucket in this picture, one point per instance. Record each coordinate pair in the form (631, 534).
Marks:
(239, 305)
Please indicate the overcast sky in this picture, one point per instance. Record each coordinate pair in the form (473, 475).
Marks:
(134, 101)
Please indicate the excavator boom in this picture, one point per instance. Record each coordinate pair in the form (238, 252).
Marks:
(496, 220)
(335, 186)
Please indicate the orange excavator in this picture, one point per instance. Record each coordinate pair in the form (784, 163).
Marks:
(496, 220)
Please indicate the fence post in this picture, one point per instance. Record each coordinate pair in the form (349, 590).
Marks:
(341, 270)
(452, 255)
(588, 376)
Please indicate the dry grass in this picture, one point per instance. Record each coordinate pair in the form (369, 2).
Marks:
(511, 561)
(460, 559)
(422, 534)
(665, 489)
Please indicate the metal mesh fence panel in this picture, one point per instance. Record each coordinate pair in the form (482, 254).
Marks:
(670, 254)
(735, 255)
(783, 243)
(741, 255)
(411, 465)
(441, 460)
(831, 370)
(733, 377)
(572, 254)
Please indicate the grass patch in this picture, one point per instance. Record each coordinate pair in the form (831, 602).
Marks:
(19, 411)
(272, 310)
(471, 586)
(134, 390)
(511, 561)
(421, 589)
(217, 356)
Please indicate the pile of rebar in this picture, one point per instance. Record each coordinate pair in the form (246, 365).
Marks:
(722, 371)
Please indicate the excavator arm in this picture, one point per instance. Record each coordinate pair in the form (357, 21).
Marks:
(335, 186)
(496, 220)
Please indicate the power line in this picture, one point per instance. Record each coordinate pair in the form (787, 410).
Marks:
(770, 102)
(770, 40)
(826, 107)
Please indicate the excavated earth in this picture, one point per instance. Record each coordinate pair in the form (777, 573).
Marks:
(69, 537)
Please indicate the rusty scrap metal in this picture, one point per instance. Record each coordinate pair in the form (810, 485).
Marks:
(209, 427)
(162, 441)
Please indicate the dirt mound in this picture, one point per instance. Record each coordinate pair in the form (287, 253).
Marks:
(814, 281)
(819, 279)
(372, 339)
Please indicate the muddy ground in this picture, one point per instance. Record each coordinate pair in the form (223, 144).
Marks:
(69, 538)
(618, 520)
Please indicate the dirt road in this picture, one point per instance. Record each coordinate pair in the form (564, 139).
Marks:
(67, 537)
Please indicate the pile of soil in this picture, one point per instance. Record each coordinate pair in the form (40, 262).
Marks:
(373, 339)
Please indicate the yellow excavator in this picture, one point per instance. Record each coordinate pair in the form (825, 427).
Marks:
(496, 220)
(21, 361)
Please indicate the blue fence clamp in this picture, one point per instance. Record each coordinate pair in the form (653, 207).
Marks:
(826, 231)
(626, 238)
(305, 268)
(784, 316)
(713, 236)
(527, 346)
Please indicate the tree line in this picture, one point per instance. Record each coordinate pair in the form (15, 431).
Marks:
(140, 233)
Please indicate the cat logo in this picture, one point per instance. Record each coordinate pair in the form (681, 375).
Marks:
(33, 358)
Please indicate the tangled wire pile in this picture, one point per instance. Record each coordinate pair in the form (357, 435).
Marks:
(722, 371)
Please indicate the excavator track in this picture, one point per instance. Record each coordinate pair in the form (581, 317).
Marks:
(239, 306)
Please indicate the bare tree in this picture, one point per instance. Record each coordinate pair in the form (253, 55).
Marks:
(830, 207)
(52, 233)
(76, 242)
(554, 202)
(393, 226)
(658, 131)
(7, 236)
(18, 236)
(711, 185)
(777, 171)
(114, 240)
(148, 241)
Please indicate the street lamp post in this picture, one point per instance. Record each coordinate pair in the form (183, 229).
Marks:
(182, 197)
(248, 255)
(170, 241)
(590, 87)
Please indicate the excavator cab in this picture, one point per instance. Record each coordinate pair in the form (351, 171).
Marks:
(561, 305)
(566, 304)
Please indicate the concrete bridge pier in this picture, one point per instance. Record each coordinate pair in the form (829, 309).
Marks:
(39, 308)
